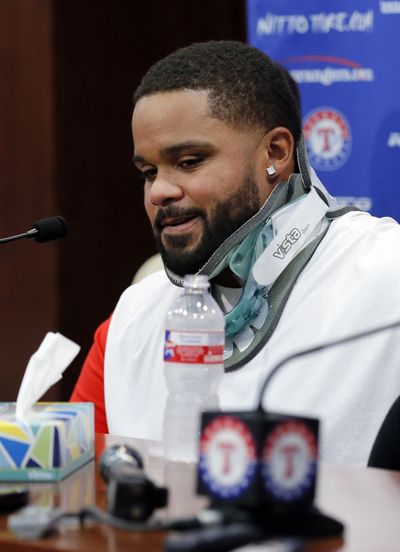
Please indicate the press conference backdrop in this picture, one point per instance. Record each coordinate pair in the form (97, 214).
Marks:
(345, 57)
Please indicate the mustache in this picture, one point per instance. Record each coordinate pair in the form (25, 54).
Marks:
(174, 212)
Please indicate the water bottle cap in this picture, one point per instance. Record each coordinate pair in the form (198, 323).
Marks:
(199, 281)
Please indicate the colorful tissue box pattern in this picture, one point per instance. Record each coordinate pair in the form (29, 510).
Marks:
(54, 441)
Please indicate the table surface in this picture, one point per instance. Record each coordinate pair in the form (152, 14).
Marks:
(366, 500)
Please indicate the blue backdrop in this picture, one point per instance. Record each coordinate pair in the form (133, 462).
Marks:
(345, 57)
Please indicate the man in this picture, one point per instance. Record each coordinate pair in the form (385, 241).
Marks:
(216, 129)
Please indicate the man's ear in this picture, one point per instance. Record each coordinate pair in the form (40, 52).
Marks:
(278, 147)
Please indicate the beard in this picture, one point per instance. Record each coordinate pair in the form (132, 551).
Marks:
(226, 217)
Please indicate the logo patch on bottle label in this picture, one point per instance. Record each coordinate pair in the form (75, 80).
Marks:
(194, 347)
(289, 460)
(227, 457)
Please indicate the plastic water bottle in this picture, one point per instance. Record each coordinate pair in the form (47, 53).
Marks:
(193, 366)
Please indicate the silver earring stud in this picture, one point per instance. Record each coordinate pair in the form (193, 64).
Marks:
(271, 170)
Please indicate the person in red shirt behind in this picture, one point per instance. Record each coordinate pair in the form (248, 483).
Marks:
(90, 385)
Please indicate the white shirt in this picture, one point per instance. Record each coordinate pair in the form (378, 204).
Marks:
(351, 284)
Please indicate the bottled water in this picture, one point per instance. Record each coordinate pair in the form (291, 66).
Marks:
(193, 366)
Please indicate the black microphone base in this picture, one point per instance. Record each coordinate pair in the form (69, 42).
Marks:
(307, 522)
(242, 527)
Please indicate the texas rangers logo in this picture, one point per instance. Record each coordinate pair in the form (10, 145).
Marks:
(289, 460)
(328, 138)
(227, 457)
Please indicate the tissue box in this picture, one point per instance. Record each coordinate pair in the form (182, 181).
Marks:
(55, 440)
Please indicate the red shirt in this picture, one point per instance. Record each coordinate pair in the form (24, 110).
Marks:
(90, 385)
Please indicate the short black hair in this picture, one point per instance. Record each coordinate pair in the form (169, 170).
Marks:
(293, 86)
(246, 88)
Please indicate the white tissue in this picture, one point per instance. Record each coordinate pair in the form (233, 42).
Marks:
(44, 369)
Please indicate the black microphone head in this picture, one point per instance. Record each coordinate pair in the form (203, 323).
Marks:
(50, 228)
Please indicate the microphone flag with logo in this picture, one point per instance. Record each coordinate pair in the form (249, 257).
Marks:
(266, 463)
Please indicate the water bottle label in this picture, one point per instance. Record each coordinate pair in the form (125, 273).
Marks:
(194, 347)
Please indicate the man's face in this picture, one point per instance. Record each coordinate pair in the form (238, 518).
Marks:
(203, 178)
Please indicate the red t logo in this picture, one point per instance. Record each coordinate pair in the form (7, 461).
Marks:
(325, 132)
(226, 449)
(289, 452)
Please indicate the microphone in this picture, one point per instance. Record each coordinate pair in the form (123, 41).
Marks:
(266, 463)
(131, 495)
(43, 230)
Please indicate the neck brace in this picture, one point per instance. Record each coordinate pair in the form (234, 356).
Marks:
(265, 253)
